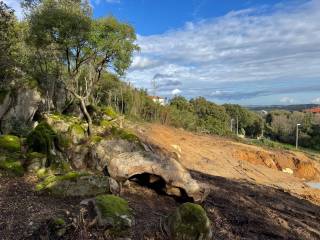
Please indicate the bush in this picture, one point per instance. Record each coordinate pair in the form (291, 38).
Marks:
(42, 139)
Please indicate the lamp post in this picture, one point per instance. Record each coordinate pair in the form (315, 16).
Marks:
(231, 124)
(297, 135)
(237, 126)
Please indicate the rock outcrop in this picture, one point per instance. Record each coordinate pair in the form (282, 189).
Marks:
(19, 107)
(74, 184)
(125, 160)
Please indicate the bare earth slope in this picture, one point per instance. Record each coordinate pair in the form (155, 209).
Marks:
(223, 157)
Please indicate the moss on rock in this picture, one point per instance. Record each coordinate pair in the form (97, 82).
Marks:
(12, 166)
(110, 112)
(189, 222)
(76, 133)
(53, 179)
(114, 211)
(123, 134)
(74, 184)
(105, 123)
(10, 143)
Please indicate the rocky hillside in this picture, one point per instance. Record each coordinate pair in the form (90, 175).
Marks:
(128, 181)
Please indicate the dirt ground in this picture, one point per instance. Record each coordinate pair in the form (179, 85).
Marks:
(237, 209)
(250, 197)
(227, 158)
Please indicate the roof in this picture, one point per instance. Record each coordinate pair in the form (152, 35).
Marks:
(313, 110)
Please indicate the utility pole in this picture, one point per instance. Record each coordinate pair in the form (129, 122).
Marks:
(237, 126)
(231, 124)
(297, 135)
(154, 85)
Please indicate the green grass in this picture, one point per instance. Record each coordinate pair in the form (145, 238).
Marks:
(279, 146)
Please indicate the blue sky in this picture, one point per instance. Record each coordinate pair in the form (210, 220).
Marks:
(238, 51)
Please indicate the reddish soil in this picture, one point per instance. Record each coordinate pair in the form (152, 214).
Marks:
(227, 158)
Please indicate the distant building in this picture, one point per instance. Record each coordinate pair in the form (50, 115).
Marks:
(264, 112)
(315, 110)
(160, 100)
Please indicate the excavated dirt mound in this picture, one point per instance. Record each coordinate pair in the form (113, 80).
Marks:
(227, 158)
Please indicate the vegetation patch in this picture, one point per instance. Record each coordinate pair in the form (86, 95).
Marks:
(10, 143)
(42, 139)
(189, 222)
(53, 179)
(110, 112)
(3, 94)
(123, 134)
(95, 139)
(12, 166)
(114, 211)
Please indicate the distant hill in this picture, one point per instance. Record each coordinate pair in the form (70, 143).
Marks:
(297, 107)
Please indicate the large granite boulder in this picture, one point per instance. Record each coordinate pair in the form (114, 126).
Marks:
(19, 106)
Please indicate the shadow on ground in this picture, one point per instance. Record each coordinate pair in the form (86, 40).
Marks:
(237, 209)
(243, 210)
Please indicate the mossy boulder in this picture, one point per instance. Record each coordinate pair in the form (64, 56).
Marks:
(189, 222)
(119, 133)
(74, 184)
(10, 143)
(11, 165)
(77, 133)
(113, 211)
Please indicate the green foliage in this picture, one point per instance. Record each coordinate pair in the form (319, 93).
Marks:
(42, 139)
(12, 166)
(109, 111)
(3, 94)
(212, 118)
(281, 126)
(8, 43)
(10, 143)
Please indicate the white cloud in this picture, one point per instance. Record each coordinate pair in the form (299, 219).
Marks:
(316, 100)
(15, 4)
(140, 62)
(176, 91)
(113, 1)
(251, 45)
(287, 100)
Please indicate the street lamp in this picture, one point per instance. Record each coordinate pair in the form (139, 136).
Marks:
(231, 125)
(297, 135)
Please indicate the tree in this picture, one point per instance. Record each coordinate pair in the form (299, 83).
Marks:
(8, 41)
(85, 48)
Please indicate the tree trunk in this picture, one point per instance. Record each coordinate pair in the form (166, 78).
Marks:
(86, 115)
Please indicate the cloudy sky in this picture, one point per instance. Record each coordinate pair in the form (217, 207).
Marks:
(247, 52)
